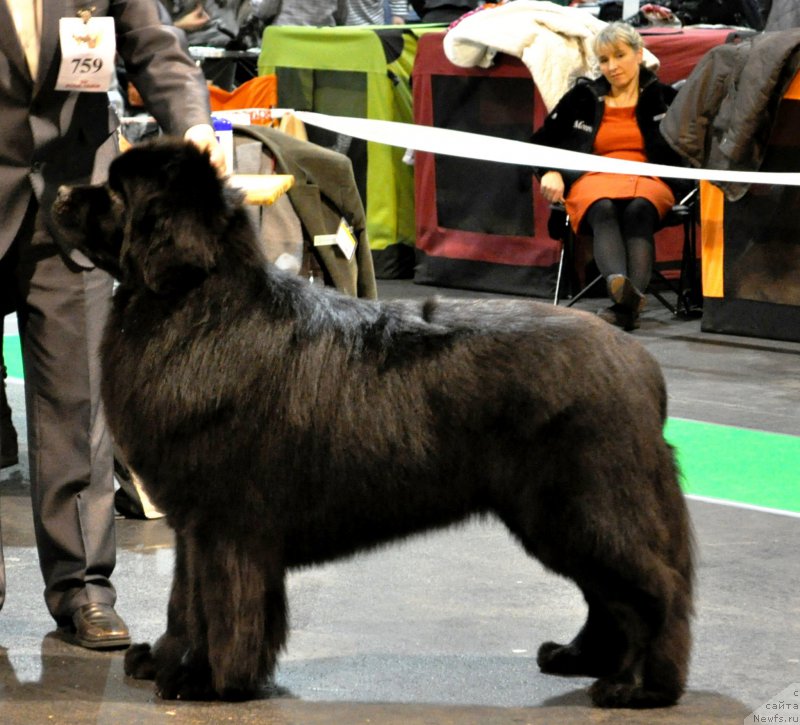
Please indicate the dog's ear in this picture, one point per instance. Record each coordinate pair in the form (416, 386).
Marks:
(176, 219)
(177, 254)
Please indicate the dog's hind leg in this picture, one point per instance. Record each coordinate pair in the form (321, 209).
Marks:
(638, 587)
(635, 639)
(597, 650)
(666, 659)
(657, 573)
(654, 616)
(662, 599)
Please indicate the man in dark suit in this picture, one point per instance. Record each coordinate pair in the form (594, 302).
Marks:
(50, 137)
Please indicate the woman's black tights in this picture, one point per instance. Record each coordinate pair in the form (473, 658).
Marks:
(623, 238)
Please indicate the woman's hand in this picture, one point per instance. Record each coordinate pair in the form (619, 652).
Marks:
(193, 20)
(552, 186)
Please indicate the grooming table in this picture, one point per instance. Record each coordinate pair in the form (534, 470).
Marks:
(262, 189)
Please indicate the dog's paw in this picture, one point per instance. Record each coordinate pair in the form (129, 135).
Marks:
(139, 662)
(272, 689)
(567, 659)
(615, 692)
(185, 683)
(236, 694)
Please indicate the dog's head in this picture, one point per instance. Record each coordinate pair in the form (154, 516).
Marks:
(158, 220)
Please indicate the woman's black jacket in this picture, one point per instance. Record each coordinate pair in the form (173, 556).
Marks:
(574, 122)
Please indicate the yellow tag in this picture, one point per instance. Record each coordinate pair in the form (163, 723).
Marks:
(343, 239)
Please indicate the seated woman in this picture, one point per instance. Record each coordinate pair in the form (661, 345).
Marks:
(616, 115)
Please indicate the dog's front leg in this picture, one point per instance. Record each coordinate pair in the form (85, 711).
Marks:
(242, 593)
(227, 619)
(168, 660)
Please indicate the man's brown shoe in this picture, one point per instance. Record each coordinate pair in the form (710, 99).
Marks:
(98, 626)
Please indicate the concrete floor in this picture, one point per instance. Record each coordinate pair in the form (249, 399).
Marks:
(444, 628)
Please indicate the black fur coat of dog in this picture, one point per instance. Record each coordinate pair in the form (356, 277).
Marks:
(280, 425)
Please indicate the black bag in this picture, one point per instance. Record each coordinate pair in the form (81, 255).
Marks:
(221, 29)
(610, 11)
(745, 13)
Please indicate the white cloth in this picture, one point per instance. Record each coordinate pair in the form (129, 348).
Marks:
(27, 16)
(554, 42)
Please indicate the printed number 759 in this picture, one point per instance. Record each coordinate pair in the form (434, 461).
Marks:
(86, 65)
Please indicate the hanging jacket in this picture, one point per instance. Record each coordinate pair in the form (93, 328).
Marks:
(723, 115)
(324, 192)
(574, 123)
(784, 14)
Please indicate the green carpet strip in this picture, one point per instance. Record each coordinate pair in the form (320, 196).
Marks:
(12, 356)
(738, 465)
(722, 463)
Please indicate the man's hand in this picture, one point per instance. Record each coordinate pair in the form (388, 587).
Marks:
(205, 139)
(552, 186)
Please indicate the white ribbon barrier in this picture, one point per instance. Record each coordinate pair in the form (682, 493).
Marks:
(490, 148)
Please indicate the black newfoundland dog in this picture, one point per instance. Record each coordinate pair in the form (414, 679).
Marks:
(280, 425)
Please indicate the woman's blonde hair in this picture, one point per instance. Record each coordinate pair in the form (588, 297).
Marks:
(617, 32)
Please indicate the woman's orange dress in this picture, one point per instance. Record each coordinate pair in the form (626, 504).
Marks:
(618, 137)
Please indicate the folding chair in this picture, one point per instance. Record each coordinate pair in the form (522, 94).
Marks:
(686, 288)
